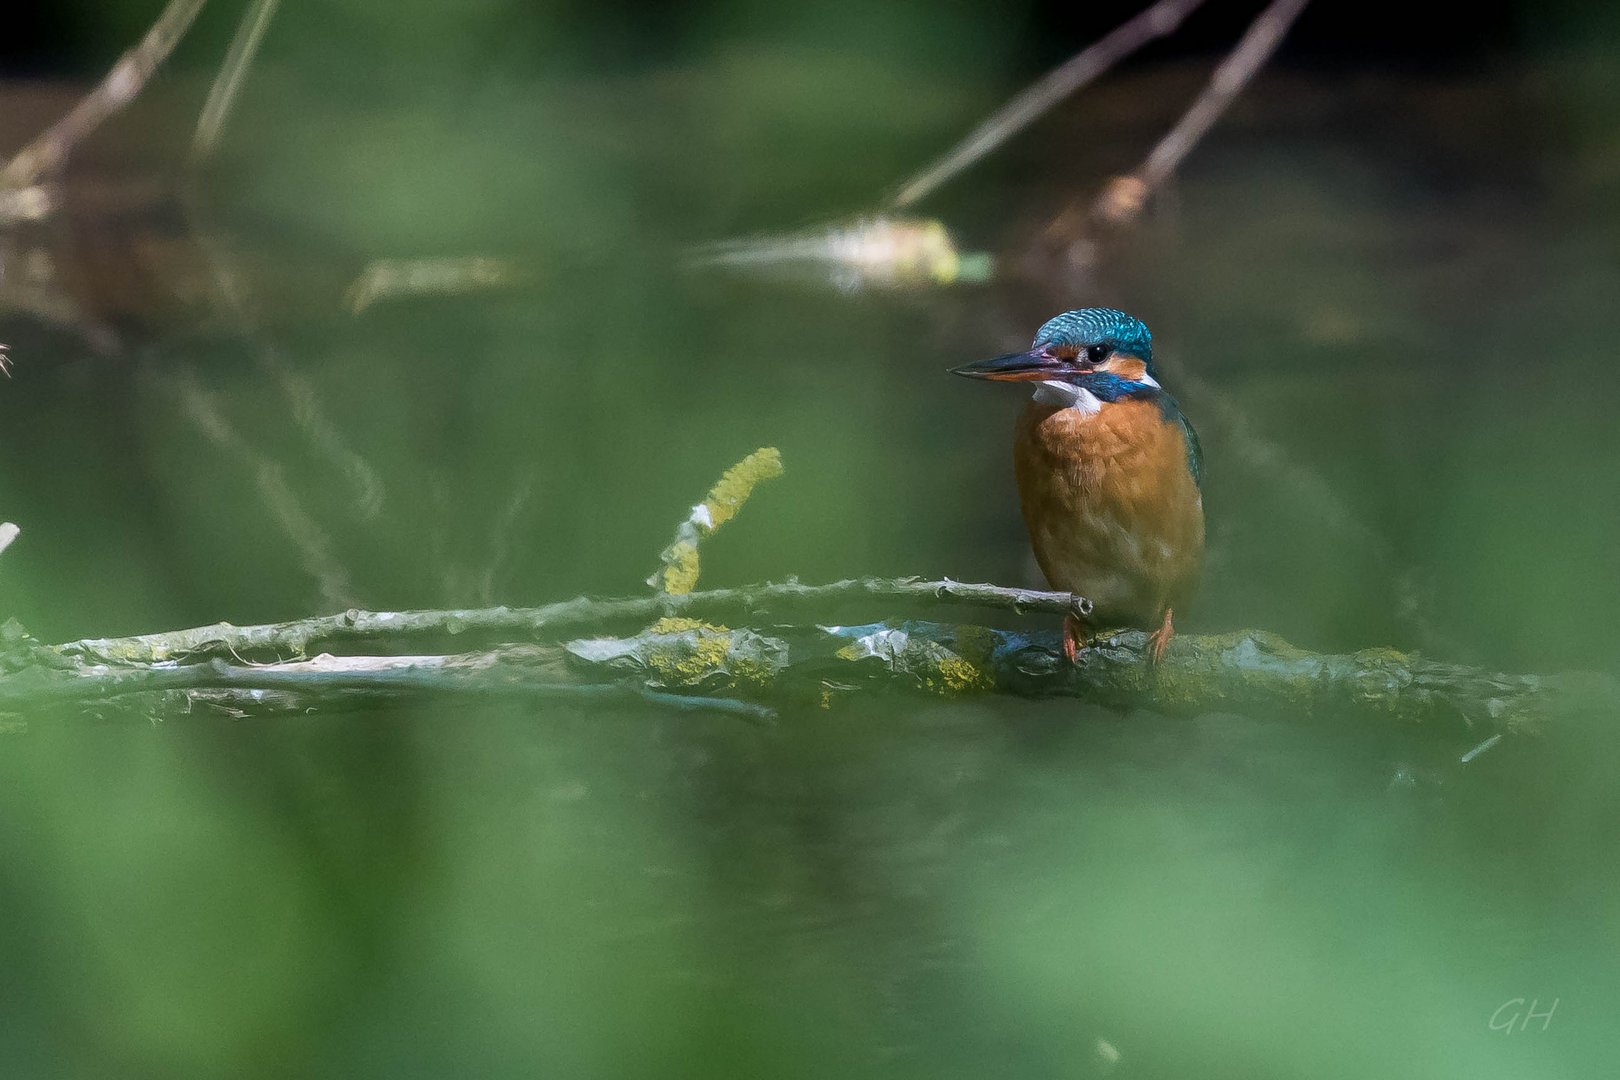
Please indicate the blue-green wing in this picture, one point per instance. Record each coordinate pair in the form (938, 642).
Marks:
(1195, 453)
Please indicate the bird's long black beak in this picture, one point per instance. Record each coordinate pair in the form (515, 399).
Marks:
(1028, 366)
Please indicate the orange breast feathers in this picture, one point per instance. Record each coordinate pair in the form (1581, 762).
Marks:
(1112, 509)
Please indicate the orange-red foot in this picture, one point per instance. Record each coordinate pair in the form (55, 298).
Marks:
(1074, 638)
(1159, 640)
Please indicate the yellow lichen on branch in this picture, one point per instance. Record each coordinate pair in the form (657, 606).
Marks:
(732, 490)
(679, 574)
(680, 653)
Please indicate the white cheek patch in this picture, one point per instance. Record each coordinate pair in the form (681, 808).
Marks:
(1068, 395)
(1148, 380)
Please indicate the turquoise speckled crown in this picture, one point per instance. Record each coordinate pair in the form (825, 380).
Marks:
(1098, 326)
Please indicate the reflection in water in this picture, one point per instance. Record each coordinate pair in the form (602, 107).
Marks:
(312, 544)
(234, 297)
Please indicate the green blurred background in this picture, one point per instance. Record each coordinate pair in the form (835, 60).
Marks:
(1383, 288)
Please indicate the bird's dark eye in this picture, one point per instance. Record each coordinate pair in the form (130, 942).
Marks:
(1096, 354)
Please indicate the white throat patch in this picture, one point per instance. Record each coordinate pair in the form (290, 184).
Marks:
(1067, 395)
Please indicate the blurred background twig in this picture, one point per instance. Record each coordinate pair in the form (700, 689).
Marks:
(1157, 20)
(1123, 198)
(120, 86)
(216, 110)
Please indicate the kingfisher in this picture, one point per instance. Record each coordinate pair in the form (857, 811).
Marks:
(1109, 474)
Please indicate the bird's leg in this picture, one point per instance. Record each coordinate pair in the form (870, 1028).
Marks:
(1074, 628)
(1159, 640)
(1074, 638)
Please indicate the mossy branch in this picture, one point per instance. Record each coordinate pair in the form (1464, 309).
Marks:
(1245, 671)
(814, 661)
